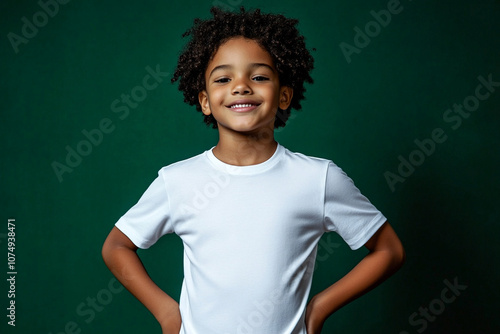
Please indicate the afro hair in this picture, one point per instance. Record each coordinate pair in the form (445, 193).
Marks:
(275, 33)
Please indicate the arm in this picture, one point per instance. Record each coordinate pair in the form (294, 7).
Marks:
(386, 257)
(119, 254)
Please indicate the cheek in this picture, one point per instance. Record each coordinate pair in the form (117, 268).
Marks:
(216, 96)
(275, 95)
(269, 92)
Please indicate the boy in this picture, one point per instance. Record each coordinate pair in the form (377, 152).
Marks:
(250, 244)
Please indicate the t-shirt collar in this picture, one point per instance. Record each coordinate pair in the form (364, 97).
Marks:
(245, 170)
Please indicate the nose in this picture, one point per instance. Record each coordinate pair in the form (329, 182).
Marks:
(241, 86)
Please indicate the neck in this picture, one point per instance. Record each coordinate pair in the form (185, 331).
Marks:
(241, 149)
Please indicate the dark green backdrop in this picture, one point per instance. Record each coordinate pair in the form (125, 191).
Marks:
(377, 103)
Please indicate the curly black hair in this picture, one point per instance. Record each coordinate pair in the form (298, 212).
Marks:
(275, 33)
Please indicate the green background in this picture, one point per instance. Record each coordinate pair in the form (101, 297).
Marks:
(363, 115)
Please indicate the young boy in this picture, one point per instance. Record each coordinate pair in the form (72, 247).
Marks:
(250, 241)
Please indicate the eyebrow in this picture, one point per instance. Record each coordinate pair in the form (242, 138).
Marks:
(253, 65)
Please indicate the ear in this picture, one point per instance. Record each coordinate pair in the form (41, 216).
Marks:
(205, 105)
(286, 94)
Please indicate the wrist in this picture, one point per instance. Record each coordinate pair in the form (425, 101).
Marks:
(168, 315)
(315, 316)
(317, 313)
(170, 323)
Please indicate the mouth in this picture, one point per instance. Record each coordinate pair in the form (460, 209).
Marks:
(243, 106)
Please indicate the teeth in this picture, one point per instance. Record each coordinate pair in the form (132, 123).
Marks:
(241, 105)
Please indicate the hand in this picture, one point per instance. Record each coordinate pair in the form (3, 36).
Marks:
(171, 327)
(170, 330)
(171, 321)
(314, 322)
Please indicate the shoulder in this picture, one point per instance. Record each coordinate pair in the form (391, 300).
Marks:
(316, 165)
(303, 160)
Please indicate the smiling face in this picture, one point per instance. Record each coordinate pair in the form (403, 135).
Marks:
(242, 91)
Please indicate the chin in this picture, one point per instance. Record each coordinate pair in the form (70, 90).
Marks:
(246, 127)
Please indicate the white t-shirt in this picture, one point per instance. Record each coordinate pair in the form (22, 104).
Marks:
(250, 235)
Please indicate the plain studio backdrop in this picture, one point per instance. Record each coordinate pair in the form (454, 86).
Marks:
(406, 100)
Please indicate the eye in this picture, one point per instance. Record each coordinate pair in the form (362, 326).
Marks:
(222, 80)
(260, 78)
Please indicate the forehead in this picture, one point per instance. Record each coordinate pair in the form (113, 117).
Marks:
(238, 51)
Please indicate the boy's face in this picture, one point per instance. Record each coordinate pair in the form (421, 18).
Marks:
(242, 91)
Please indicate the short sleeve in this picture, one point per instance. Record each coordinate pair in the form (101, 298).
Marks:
(148, 219)
(347, 211)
